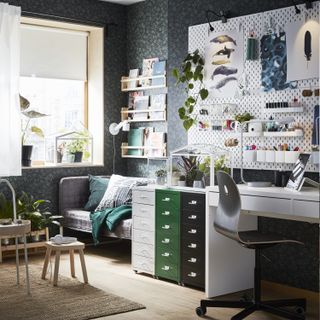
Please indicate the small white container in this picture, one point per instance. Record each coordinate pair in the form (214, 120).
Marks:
(279, 156)
(291, 156)
(315, 157)
(249, 156)
(261, 155)
(269, 156)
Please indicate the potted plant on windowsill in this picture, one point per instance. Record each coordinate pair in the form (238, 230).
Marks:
(27, 129)
(78, 147)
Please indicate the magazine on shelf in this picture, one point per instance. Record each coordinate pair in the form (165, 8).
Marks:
(141, 103)
(157, 140)
(147, 139)
(131, 97)
(133, 73)
(135, 139)
(159, 69)
(157, 102)
(147, 70)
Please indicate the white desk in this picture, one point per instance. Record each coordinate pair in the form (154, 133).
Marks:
(230, 267)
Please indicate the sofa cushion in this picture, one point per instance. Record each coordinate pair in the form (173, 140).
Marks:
(97, 187)
(119, 191)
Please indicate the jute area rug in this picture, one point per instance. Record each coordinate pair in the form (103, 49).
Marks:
(70, 300)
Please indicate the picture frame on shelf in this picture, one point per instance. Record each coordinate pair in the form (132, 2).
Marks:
(147, 70)
(159, 69)
(141, 103)
(147, 139)
(157, 140)
(131, 97)
(157, 102)
(133, 73)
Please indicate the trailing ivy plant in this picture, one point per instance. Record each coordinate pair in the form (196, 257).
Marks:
(191, 74)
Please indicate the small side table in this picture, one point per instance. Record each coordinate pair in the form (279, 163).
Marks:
(58, 248)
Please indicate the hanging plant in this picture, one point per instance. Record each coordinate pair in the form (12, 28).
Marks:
(191, 73)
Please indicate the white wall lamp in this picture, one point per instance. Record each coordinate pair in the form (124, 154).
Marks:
(258, 184)
(115, 128)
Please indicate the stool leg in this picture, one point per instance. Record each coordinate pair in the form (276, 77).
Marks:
(17, 260)
(56, 268)
(46, 262)
(73, 274)
(26, 263)
(83, 266)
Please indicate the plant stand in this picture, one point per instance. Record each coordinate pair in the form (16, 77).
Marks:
(31, 245)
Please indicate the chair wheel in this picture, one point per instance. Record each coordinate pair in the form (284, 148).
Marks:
(300, 310)
(201, 311)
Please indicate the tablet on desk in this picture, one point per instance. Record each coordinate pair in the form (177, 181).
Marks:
(296, 178)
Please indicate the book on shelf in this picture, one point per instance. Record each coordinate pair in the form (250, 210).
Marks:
(131, 97)
(159, 69)
(135, 139)
(157, 140)
(133, 73)
(141, 103)
(147, 70)
(158, 102)
(147, 139)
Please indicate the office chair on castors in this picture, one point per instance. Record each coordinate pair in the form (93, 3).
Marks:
(226, 221)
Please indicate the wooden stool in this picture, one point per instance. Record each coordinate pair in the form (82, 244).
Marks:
(58, 248)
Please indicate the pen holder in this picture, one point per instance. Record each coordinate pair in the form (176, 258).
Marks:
(279, 156)
(269, 156)
(261, 155)
(291, 156)
(249, 155)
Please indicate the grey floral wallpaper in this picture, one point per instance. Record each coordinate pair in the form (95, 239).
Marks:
(43, 183)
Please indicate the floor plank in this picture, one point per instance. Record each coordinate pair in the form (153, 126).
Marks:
(109, 269)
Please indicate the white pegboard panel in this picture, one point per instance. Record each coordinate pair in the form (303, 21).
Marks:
(256, 99)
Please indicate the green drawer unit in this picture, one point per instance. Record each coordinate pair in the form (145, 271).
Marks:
(168, 234)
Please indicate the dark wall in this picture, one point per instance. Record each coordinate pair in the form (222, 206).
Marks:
(292, 265)
(43, 183)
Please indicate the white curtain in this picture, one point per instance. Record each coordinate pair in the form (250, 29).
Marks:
(10, 122)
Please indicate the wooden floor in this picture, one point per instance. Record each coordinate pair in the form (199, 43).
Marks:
(109, 269)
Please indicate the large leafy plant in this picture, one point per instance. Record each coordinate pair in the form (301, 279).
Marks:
(191, 74)
(189, 167)
(29, 114)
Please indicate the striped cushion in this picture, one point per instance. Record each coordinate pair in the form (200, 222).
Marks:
(119, 191)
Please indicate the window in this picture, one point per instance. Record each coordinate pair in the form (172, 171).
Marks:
(62, 77)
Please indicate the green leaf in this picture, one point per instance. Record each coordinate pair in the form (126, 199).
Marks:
(182, 112)
(24, 103)
(200, 77)
(34, 114)
(191, 100)
(183, 78)
(187, 67)
(187, 124)
(189, 75)
(191, 108)
(191, 86)
(188, 57)
(175, 73)
(204, 93)
(37, 131)
(201, 61)
(195, 59)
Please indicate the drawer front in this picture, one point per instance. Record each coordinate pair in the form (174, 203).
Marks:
(142, 210)
(193, 232)
(193, 217)
(143, 236)
(168, 255)
(193, 276)
(165, 241)
(167, 270)
(168, 213)
(300, 207)
(143, 197)
(168, 228)
(193, 201)
(142, 249)
(167, 199)
(141, 223)
(140, 263)
(193, 245)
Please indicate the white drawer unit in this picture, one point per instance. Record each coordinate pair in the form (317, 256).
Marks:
(143, 232)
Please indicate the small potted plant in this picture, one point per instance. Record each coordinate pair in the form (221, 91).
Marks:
(161, 175)
(78, 147)
(182, 181)
(189, 166)
(27, 130)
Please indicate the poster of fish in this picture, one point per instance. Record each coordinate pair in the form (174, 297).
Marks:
(273, 52)
(302, 50)
(223, 63)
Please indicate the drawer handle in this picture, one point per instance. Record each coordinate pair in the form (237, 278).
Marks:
(192, 217)
(166, 254)
(166, 213)
(166, 240)
(165, 268)
(192, 260)
(193, 202)
(192, 231)
(192, 274)
(166, 227)
(192, 245)
(166, 199)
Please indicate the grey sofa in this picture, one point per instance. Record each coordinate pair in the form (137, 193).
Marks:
(73, 195)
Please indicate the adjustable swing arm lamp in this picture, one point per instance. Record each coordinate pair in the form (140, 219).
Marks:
(223, 15)
(114, 128)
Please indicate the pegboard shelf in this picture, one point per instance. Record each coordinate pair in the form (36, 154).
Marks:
(284, 110)
(296, 133)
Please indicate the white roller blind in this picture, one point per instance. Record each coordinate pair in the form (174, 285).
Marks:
(48, 52)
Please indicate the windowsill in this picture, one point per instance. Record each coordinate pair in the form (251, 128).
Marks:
(64, 165)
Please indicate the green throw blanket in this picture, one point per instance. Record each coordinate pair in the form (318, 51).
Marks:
(110, 218)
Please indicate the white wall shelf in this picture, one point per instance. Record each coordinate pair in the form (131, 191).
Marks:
(125, 112)
(284, 110)
(125, 148)
(126, 81)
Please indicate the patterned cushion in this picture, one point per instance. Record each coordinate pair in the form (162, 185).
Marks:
(119, 191)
